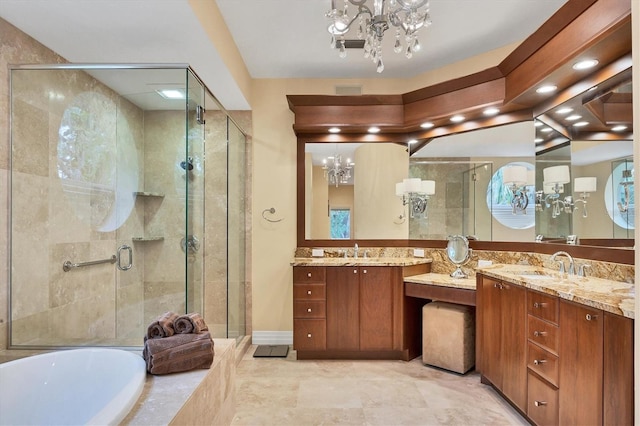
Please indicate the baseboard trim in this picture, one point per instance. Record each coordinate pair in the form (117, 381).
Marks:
(272, 338)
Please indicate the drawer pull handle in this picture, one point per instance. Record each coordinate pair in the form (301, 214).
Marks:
(308, 291)
(538, 305)
(365, 271)
(540, 403)
(309, 274)
(355, 271)
(590, 317)
(309, 335)
(539, 333)
(539, 361)
(308, 309)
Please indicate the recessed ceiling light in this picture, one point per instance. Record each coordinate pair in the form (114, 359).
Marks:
(574, 117)
(491, 111)
(334, 130)
(619, 128)
(426, 125)
(546, 129)
(586, 64)
(412, 141)
(546, 89)
(374, 130)
(580, 123)
(538, 140)
(171, 93)
(457, 118)
(565, 110)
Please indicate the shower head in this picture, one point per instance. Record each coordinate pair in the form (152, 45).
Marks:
(187, 165)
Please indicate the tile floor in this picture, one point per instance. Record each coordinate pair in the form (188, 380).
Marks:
(284, 391)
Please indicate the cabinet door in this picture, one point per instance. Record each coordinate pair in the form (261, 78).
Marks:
(580, 394)
(343, 310)
(491, 326)
(376, 308)
(513, 345)
(618, 370)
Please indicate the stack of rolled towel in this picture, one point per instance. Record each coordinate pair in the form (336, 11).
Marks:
(176, 343)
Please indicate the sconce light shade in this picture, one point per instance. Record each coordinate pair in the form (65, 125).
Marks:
(557, 174)
(412, 185)
(514, 175)
(531, 177)
(584, 184)
(400, 189)
(428, 187)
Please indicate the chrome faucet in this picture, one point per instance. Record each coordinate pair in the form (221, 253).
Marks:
(355, 251)
(561, 263)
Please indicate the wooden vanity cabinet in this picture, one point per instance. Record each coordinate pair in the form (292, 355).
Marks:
(503, 339)
(579, 360)
(309, 308)
(366, 316)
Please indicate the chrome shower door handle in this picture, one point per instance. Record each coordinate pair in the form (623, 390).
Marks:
(119, 263)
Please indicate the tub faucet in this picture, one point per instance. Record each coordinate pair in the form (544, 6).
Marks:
(561, 263)
(355, 251)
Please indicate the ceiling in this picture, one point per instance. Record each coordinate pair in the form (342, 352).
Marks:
(272, 44)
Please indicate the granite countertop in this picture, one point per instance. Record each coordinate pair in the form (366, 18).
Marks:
(442, 280)
(611, 296)
(360, 261)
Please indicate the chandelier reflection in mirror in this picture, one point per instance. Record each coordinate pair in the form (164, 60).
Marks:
(336, 171)
(554, 180)
(407, 16)
(415, 192)
(627, 186)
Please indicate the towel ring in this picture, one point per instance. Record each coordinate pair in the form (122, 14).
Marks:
(270, 211)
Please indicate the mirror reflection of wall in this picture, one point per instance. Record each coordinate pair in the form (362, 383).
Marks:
(591, 132)
(363, 207)
(463, 158)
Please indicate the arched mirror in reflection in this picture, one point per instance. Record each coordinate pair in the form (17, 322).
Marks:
(591, 135)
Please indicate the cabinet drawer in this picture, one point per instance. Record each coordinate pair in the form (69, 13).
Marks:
(543, 306)
(309, 292)
(542, 405)
(543, 334)
(309, 334)
(309, 309)
(308, 274)
(543, 362)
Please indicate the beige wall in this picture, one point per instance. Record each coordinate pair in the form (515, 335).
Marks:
(376, 207)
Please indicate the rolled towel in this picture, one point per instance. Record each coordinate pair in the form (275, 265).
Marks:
(189, 323)
(180, 352)
(162, 326)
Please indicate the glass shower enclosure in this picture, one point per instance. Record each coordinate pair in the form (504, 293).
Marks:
(107, 196)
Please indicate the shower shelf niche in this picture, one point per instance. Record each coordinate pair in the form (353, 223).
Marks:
(149, 194)
(143, 239)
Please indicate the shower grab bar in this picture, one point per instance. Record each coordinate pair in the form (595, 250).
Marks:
(67, 266)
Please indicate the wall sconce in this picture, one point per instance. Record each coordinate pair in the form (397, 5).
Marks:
(416, 192)
(627, 183)
(554, 180)
(516, 178)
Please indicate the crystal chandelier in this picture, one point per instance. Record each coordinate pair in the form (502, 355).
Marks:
(338, 172)
(407, 16)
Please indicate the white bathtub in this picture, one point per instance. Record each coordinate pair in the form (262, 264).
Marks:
(72, 387)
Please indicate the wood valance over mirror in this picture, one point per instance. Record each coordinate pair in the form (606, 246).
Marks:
(593, 29)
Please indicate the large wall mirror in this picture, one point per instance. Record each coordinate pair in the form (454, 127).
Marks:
(588, 142)
(356, 191)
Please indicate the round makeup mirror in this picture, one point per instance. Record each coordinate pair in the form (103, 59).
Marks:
(459, 253)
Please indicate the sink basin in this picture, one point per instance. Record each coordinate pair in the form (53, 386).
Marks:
(536, 276)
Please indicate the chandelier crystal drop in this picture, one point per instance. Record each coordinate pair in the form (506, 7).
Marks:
(372, 21)
(337, 171)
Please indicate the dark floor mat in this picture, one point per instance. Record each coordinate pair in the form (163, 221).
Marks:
(271, 351)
